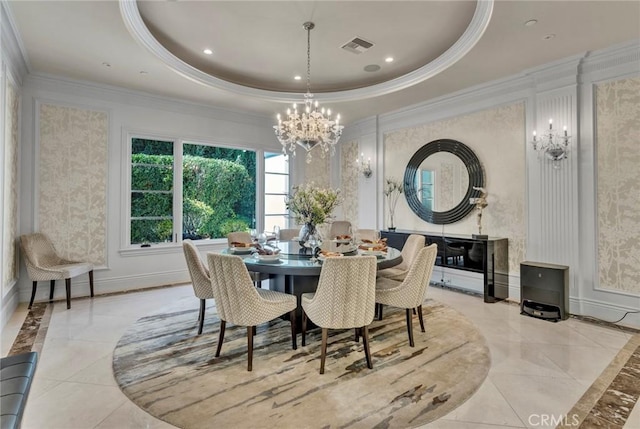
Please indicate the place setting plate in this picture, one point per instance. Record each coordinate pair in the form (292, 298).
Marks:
(270, 259)
(241, 250)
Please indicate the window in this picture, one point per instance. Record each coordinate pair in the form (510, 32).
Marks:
(189, 190)
(276, 189)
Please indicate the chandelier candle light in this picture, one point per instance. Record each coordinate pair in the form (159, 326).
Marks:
(311, 126)
(554, 146)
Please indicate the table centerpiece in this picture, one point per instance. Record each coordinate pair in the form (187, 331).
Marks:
(310, 206)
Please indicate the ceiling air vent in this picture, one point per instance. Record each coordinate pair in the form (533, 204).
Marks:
(357, 45)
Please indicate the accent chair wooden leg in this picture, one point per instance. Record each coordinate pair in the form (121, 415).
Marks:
(250, 348)
(33, 293)
(365, 343)
(51, 289)
(357, 338)
(323, 349)
(67, 283)
(292, 319)
(379, 311)
(223, 324)
(410, 326)
(201, 315)
(91, 282)
(421, 318)
(304, 327)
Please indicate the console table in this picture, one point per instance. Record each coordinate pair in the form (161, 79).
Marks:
(489, 256)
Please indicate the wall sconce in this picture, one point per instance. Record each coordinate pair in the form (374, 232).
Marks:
(554, 146)
(364, 167)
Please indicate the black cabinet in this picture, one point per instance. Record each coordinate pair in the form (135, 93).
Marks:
(490, 257)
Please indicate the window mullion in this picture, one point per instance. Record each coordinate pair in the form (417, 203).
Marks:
(177, 191)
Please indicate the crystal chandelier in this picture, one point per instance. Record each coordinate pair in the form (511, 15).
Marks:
(309, 127)
(553, 145)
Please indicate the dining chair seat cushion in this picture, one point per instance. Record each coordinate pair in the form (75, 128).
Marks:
(393, 273)
(63, 271)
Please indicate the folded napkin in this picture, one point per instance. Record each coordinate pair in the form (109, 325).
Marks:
(239, 244)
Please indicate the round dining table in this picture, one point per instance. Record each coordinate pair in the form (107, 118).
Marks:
(297, 271)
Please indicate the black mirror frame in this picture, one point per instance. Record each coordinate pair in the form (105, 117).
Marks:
(476, 178)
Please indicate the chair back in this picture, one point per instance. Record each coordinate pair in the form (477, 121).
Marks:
(366, 234)
(239, 237)
(339, 227)
(288, 234)
(417, 279)
(39, 251)
(198, 272)
(410, 250)
(236, 297)
(346, 293)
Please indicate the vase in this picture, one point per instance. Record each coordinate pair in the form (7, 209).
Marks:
(306, 230)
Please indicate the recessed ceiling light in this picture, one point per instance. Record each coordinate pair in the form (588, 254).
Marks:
(143, 72)
(208, 51)
(531, 22)
(297, 77)
(549, 36)
(372, 68)
(388, 59)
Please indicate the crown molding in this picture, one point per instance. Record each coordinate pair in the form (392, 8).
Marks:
(13, 50)
(142, 99)
(479, 23)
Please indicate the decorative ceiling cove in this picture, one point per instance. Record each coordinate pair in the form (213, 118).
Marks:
(72, 185)
(495, 135)
(618, 133)
(434, 36)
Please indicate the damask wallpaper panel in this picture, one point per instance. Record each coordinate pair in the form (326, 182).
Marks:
(618, 205)
(10, 179)
(349, 182)
(497, 137)
(72, 183)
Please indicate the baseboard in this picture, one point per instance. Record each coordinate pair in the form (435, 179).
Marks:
(80, 284)
(604, 311)
(470, 281)
(9, 304)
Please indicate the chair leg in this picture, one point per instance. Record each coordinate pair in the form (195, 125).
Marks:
(292, 319)
(91, 282)
(67, 283)
(357, 336)
(250, 348)
(410, 326)
(51, 289)
(223, 324)
(380, 312)
(201, 315)
(323, 349)
(33, 293)
(365, 342)
(421, 318)
(304, 328)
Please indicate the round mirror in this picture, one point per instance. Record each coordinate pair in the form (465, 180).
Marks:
(439, 181)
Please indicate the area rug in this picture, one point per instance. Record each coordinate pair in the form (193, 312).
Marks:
(170, 372)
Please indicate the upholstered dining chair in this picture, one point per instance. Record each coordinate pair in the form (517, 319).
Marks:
(339, 227)
(409, 293)
(288, 234)
(344, 299)
(245, 237)
(410, 250)
(43, 263)
(240, 303)
(366, 234)
(200, 279)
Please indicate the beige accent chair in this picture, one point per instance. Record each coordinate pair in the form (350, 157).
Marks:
(289, 234)
(240, 303)
(43, 263)
(339, 227)
(409, 294)
(200, 279)
(245, 237)
(344, 299)
(366, 234)
(410, 250)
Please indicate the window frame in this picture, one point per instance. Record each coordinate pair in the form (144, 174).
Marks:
(129, 249)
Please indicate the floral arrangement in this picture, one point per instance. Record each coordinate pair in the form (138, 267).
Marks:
(392, 190)
(312, 205)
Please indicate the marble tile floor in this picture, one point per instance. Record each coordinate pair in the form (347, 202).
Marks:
(539, 369)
